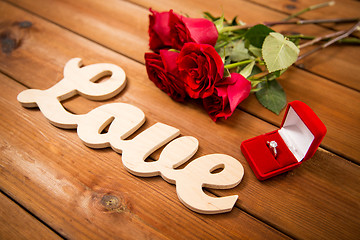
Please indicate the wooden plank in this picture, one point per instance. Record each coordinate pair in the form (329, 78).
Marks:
(16, 223)
(266, 200)
(128, 27)
(84, 193)
(298, 84)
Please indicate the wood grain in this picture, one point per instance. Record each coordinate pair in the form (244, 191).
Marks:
(268, 200)
(301, 85)
(87, 194)
(16, 223)
(126, 30)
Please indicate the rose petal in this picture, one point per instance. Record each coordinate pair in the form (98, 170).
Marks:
(184, 30)
(168, 82)
(159, 30)
(238, 91)
(169, 59)
(200, 67)
(201, 30)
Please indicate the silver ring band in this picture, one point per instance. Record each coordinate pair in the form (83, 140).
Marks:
(272, 146)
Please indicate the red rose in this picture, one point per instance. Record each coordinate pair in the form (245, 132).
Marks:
(163, 71)
(159, 30)
(201, 68)
(170, 30)
(198, 30)
(227, 96)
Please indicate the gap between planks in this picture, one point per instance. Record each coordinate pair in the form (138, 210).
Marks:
(328, 79)
(34, 217)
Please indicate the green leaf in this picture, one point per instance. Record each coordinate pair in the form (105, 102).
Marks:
(222, 53)
(272, 96)
(274, 75)
(227, 61)
(210, 16)
(238, 51)
(255, 71)
(256, 51)
(255, 83)
(296, 41)
(257, 34)
(246, 71)
(234, 21)
(254, 90)
(219, 23)
(279, 53)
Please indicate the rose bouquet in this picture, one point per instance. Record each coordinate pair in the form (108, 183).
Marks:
(220, 62)
(185, 64)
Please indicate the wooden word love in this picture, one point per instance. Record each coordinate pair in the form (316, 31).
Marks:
(123, 120)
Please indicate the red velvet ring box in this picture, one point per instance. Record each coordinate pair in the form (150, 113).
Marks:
(297, 140)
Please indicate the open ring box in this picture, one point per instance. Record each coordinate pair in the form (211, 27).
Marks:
(297, 140)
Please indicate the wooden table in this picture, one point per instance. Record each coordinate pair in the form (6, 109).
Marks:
(53, 186)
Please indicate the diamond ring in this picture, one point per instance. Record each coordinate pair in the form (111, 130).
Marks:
(272, 145)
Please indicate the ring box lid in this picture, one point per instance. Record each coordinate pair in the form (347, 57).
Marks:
(302, 130)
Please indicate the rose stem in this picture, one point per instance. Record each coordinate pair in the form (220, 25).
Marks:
(298, 22)
(312, 21)
(346, 34)
(229, 66)
(313, 7)
(315, 40)
(350, 40)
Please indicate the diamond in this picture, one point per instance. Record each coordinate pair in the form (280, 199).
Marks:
(273, 144)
